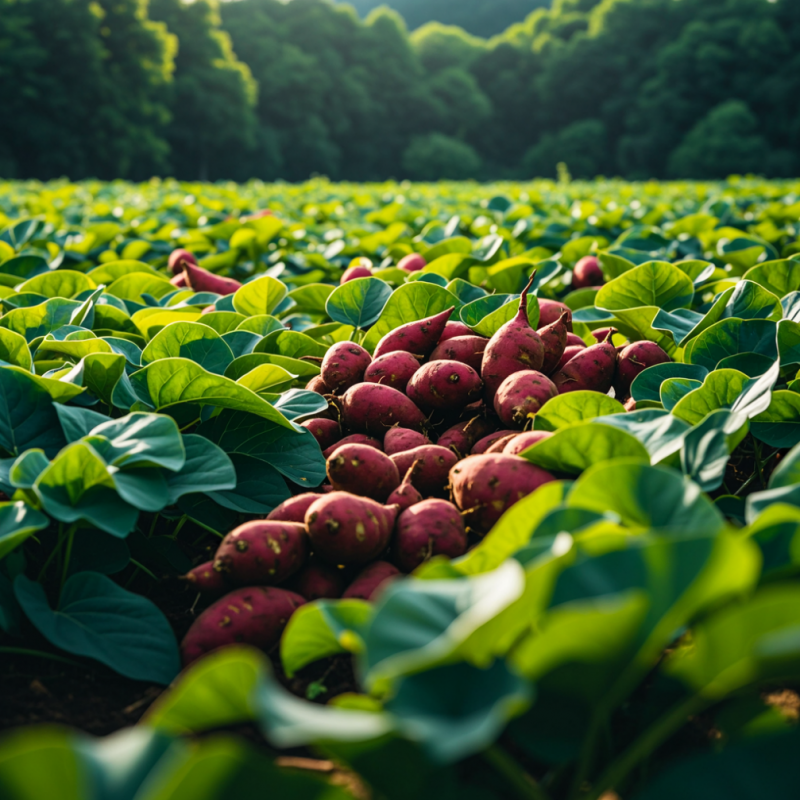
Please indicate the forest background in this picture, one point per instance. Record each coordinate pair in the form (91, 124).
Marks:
(283, 90)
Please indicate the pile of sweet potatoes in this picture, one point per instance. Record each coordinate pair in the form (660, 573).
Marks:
(422, 440)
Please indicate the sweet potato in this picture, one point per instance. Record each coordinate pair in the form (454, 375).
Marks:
(444, 386)
(569, 353)
(344, 365)
(587, 273)
(373, 408)
(431, 477)
(630, 405)
(318, 581)
(206, 580)
(601, 334)
(406, 494)
(201, 280)
(482, 445)
(253, 615)
(573, 340)
(485, 487)
(346, 529)
(369, 581)
(592, 369)
(551, 310)
(633, 359)
(427, 529)
(362, 470)
(516, 346)
(356, 438)
(316, 384)
(262, 552)
(554, 338)
(466, 349)
(179, 280)
(177, 258)
(326, 431)
(521, 395)
(453, 329)
(294, 509)
(418, 338)
(462, 437)
(500, 444)
(394, 370)
(413, 262)
(352, 273)
(399, 440)
(523, 441)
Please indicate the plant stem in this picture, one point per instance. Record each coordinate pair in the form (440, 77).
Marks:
(181, 522)
(524, 786)
(745, 484)
(759, 465)
(24, 651)
(153, 526)
(53, 553)
(68, 554)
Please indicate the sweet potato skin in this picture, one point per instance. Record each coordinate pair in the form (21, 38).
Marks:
(634, 359)
(201, 280)
(587, 273)
(466, 349)
(318, 581)
(262, 552)
(354, 438)
(177, 259)
(418, 338)
(573, 340)
(430, 528)
(206, 580)
(569, 353)
(500, 444)
(482, 445)
(551, 310)
(362, 470)
(372, 408)
(326, 431)
(461, 438)
(554, 338)
(453, 329)
(413, 262)
(393, 369)
(431, 476)
(369, 581)
(591, 369)
(406, 494)
(251, 615)
(400, 440)
(351, 273)
(523, 441)
(444, 386)
(344, 365)
(294, 509)
(316, 384)
(522, 394)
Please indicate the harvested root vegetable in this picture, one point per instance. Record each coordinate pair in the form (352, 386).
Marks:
(326, 431)
(521, 395)
(253, 615)
(485, 487)
(373, 408)
(201, 280)
(355, 438)
(394, 370)
(179, 281)
(453, 329)
(294, 509)
(318, 581)
(352, 273)
(466, 349)
(262, 552)
(482, 445)
(500, 444)
(413, 262)
(418, 338)
(362, 470)
(516, 346)
(573, 340)
(177, 258)
(461, 438)
(569, 353)
(587, 273)
(601, 334)
(316, 384)
(366, 584)
(554, 338)
(551, 310)
(207, 580)
(399, 440)
(591, 369)
(427, 529)
(406, 495)
(344, 365)
(346, 529)
(634, 359)
(523, 441)
(431, 477)
(444, 386)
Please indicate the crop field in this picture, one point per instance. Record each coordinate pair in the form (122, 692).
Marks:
(389, 491)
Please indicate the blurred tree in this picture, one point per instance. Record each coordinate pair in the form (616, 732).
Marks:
(582, 146)
(438, 157)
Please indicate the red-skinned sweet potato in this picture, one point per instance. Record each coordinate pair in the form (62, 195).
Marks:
(294, 509)
(362, 470)
(453, 329)
(346, 529)
(352, 273)
(326, 431)
(591, 369)
(177, 258)
(179, 281)
(406, 494)
(393, 369)
(554, 338)
(318, 581)
(466, 349)
(587, 273)
(569, 353)
(551, 310)
(500, 444)
(344, 365)
(418, 338)
(573, 340)
(399, 440)
(461, 438)
(522, 394)
(369, 581)
(427, 529)
(634, 359)
(355, 438)
(201, 280)
(523, 441)
(484, 487)
(316, 384)
(444, 386)
(482, 445)
(431, 477)
(601, 334)
(373, 408)
(207, 580)
(413, 262)
(262, 552)
(253, 615)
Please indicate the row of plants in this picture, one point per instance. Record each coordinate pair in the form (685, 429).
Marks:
(571, 412)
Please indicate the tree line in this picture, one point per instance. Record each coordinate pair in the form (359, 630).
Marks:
(282, 90)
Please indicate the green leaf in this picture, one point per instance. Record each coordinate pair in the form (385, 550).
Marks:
(708, 447)
(267, 378)
(674, 389)
(565, 409)
(18, 521)
(206, 469)
(133, 285)
(27, 468)
(14, 349)
(36, 321)
(291, 344)
(109, 272)
(640, 323)
(359, 302)
(242, 365)
(298, 403)
(778, 277)
(262, 324)
(78, 422)
(98, 619)
(101, 374)
(61, 283)
(476, 310)
(779, 425)
(789, 342)
(730, 337)
(655, 283)
(660, 432)
(259, 487)
(260, 296)
(141, 439)
(311, 298)
(647, 384)
(720, 389)
(492, 322)
(190, 340)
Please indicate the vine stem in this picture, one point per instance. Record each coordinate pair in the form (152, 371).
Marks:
(53, 553)
(68, 554)
(24, 651)
(524, 786)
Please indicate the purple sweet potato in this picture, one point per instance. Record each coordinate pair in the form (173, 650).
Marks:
(461, 438)
(525, 440)
(344, 365)
(587, 273)
(326, 431)
(431, 478)
(318, 385)
(369, 581)
(413, 262)
(569, 353)
(201, 280)
(633, 359)
(427, 529)
(466, 349)
(485, 487)
(406, 495)
(206, 580)
(362, 470)
(482, 445)
(346, 529)
(351, 273)
(318, 581)
(399, 440)
(394, 370)
(374, 408)
(444, 386)
(573, 340)
(601, 334)
(500, 444)
(253, 615)
(418, 338)
(177, 258)
(453, 329)
(554, 338)
(591, 369)
(179, 281)
(551, 310)
(522, 394)
(262, 552)
(355, 438)
(294, 509)
(516, 346)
